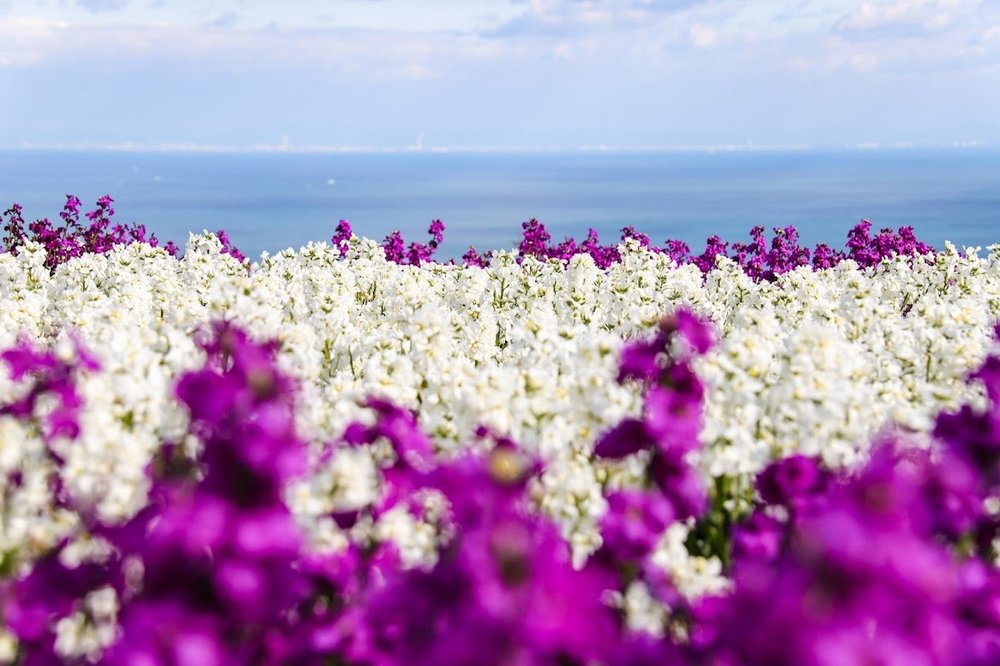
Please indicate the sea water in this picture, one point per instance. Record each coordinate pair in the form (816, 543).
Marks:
(271, 201)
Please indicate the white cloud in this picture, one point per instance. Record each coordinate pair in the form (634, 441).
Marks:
(703, 36)
(24, 41)
(928, 15)
(569, 18)
(864, 62)
(102, 5)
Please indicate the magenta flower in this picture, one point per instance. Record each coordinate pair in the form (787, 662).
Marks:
(634, 522)
(341, 237)
(791, 479)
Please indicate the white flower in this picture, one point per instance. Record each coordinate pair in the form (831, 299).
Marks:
(816, 362)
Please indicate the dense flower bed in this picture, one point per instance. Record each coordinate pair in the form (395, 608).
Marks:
(442, 457)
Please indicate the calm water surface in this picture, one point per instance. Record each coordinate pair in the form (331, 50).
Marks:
(273, 201)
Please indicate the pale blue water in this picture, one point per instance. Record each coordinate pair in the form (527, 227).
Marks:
(273, 201)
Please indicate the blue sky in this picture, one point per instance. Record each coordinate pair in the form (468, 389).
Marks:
(498, 73)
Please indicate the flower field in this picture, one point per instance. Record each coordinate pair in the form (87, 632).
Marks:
(565, 453)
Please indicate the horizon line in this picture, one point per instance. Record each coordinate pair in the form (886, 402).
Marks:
(423, 148)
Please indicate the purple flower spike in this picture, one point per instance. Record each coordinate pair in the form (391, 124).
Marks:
(989, 374)
(696, 331)
(634, 522)
(73, 239)
(627, 437)
(342, 236)
(51, 376)
(417, 253)
(639, 360)
(790, 479)
(643, 239)
(759, 539)
(672, 413)
(473, 258)
(228, 247)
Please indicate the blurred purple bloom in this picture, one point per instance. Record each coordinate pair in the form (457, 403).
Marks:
(625, 438)
(638, 359)
(634, 522)
(790, 479)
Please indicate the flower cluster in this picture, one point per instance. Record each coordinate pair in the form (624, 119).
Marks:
(52, 376)
(341, 237)
(891, 560)
(229, 248)
(667, 430)
(394, 248)
(758, 259)
(204, 572)
(212, 570)
(816, 362)
(73, 239)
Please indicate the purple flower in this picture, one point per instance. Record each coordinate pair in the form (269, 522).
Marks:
(679, 251)
(473, 258)
(697, 332)
(535, 240)
(165, 632)
(673, 417)
(49, 592)
(416, 253)
(51, 376)
(790, 479)
(634, 522)
(638, 359)
(714, 248)
(342, 236)
(643, 239)
(759, 538)
(228, 247)
(625, 438)
(672, 411)
(974, 437)
(860, 578)
(679, 482)
(73, 239)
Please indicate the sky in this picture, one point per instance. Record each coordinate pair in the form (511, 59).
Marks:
(498, 74)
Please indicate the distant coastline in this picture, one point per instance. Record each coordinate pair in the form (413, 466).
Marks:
(420, 147)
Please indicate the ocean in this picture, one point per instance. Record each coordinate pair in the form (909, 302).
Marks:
(271, 201)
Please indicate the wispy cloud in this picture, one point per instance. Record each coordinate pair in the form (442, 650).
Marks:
(916, 36)
(102, 5)
(703, 36)
(568, 72)
(906, 15)
(562, 18)
(227, 20)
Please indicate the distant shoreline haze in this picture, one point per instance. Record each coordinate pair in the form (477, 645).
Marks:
(422, 146)
(269, 200)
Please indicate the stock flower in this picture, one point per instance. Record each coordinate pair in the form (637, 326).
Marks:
(758, 539)
(634, 522)
(806, 366)
(72, 239)
(790, 479)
